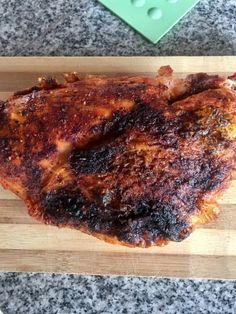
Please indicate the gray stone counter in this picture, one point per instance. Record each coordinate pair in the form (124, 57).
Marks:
(83, 27)
(67, 294)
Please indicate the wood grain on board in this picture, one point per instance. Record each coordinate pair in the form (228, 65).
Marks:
(27, 245)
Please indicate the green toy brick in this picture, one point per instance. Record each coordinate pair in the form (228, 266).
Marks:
(152, 18)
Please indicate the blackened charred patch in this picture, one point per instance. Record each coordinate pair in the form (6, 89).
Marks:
(144, 219)
(98, 220)
(34, 176)
(2, 113)
(167, 219)
(2, 106)
(202, 81)
(112, 127)
(27, 91)
(154, 219)
(131, 222)
(202, 175)
(152, 121)
(209, 175)
(232, 77)
(138, 219)
(5, 147)
(95, 160)
(139, 208)
(63, 205)
(146, 118)
(35, 171)
(142, 117)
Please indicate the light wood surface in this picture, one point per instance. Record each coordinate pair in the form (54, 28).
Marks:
(26, 245)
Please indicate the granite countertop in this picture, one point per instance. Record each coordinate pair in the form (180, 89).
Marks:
(59, 27)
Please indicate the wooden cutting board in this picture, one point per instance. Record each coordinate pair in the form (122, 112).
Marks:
(26, 245)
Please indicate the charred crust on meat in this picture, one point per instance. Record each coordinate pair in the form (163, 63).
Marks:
(232, 77)
(27, 91)
(92, 160)
(141, 218)
(63, 205)
(5, 148)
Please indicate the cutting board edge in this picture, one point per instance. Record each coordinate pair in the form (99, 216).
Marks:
(188, 264)
(221, 64)
(185, 266)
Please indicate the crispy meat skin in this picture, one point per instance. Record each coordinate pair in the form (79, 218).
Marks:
(132, 160)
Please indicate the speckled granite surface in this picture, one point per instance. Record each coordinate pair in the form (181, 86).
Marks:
(59, 27)
(67, 294)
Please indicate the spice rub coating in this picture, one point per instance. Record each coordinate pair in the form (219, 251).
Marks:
(133, 160)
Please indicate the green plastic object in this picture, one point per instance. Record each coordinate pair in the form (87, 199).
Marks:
(152, 18)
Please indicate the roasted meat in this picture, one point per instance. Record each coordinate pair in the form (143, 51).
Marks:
(132, 160)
